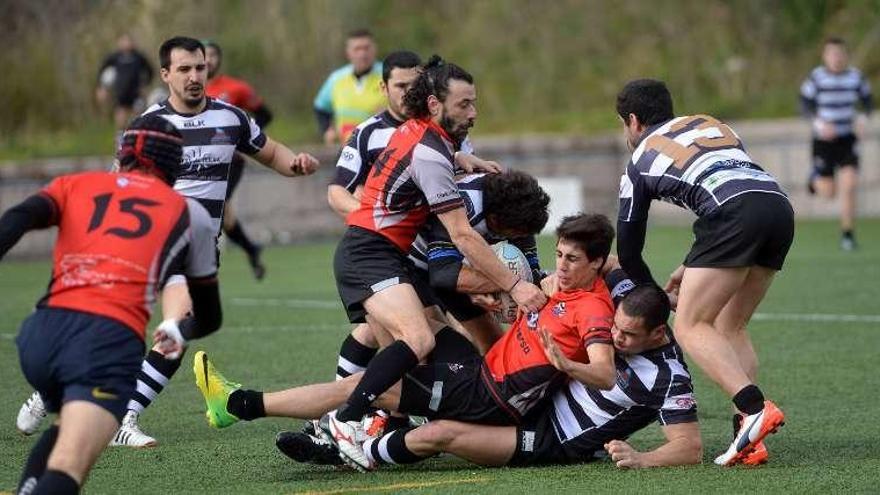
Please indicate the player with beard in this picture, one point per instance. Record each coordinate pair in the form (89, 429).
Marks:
(413, 177)
(212, 132)
(239, 93)
(367, 142)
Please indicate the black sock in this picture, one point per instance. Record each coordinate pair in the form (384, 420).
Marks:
(395, 452)
(386, 369)
(246, 404)
(848, 234)
(56, 483)
(36, 461)
(749, 400)
(152, 378)
(354, 357)
(395, 423)
(236, 234)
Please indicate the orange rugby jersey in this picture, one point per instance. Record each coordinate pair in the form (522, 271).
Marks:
(117, 237)
(411, 178)
(516, 367)
(233, 91)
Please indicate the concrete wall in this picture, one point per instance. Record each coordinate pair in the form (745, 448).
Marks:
(280, 210)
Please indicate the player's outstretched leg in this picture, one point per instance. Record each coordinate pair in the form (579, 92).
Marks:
(31, 415)
(216, 390)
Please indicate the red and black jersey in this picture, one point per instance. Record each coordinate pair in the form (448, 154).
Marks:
(411, 178)
(516, 367)
(118, 236)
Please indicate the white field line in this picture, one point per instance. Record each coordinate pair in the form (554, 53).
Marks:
(804, 317)
(323, 304)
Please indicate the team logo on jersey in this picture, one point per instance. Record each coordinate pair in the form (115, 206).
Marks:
(685, 402)
(347, 155)
(196, 159)
(221, 137)
(558, 310)
(532, 320)
(455, 367)
(122, 181)
(624, 376)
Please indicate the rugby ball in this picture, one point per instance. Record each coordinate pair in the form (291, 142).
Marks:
(516, 262)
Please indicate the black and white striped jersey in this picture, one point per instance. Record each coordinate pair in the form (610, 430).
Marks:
(210, 140)
(367, 141)
(652, 386)
(695, 162)
(834, 96)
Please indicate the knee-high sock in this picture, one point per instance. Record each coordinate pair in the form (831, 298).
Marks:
(56, 483)
(391, 448)
(154, 375)
(386, 369)
(354, 357)
(36, 461)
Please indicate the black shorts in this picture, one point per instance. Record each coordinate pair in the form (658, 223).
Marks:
(236, 170)
(452, 385)
(458, 305)
(750, 229)
(69, 355)
(126, 98)
(365, 263)
(538, 444)
(830, 155)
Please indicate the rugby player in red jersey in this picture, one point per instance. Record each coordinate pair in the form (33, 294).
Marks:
(412, 178)
(569, 337)
(241, 94)
(120, 235)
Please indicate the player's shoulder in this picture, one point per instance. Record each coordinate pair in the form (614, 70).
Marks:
(218, 105)
(160, 107)
(818, 72)
(594, 299)
(340, 73)
(375, 122)
(470, 182)
(855, 72)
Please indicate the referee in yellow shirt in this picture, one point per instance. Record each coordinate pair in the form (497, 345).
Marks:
(351, 94)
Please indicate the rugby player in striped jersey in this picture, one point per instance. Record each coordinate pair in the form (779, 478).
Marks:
(212, 132)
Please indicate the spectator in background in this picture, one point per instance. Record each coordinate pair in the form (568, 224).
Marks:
(829, 97)
(122, 77)
(351, 94)
(241, 94)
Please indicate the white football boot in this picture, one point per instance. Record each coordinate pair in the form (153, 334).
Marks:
(31, 415)
(349, 438)
(130, 434)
